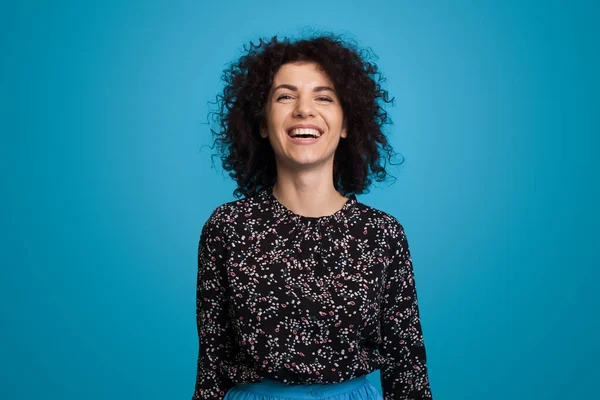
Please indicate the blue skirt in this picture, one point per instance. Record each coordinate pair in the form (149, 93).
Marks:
(354, 389)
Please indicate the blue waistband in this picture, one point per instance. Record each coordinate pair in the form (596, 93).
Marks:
(305, 392)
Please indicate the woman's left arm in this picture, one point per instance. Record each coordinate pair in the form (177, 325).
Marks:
(406, 376)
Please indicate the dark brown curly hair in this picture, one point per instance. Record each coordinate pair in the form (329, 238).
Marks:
(241, 110)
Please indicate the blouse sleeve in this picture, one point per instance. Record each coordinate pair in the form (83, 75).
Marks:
(405, 376)
(214, 325)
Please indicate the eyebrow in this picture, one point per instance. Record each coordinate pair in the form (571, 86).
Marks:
(295, 89)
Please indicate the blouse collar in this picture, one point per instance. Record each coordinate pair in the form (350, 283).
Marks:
(266, 195)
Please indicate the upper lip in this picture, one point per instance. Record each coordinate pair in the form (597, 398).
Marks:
(306, 126)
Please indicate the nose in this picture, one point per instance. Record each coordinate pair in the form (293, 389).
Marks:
(304, 108)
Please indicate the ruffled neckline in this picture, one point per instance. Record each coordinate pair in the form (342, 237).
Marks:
(266, 194)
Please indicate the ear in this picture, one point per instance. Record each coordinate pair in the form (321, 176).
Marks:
(344, 132)
(262, 131)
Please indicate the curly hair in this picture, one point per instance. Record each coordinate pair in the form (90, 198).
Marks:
(241, 112)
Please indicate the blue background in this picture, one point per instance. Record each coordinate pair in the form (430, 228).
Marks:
(107, 181)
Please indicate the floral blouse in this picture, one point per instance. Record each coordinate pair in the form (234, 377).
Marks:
(306, 300)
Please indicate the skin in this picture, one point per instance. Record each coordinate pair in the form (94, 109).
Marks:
(304, 172)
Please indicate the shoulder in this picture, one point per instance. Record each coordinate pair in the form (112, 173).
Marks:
(381, 219)
(224, 217)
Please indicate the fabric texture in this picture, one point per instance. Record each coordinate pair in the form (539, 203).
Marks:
(354, 389)
(306, 300)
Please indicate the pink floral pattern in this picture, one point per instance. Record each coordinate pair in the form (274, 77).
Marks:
(306, 300)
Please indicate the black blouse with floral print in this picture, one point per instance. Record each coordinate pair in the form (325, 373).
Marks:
(305, 300)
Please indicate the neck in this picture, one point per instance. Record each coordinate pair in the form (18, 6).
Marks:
(314, 199)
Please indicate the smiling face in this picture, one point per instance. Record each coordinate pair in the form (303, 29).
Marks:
(301, 94)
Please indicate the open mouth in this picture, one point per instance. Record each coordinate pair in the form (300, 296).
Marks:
(304, 134)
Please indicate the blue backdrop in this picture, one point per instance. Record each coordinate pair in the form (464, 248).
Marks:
(107, 181)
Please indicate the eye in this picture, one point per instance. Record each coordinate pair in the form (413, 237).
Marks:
(321, 98)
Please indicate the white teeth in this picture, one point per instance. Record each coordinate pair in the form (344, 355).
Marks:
(303, 131)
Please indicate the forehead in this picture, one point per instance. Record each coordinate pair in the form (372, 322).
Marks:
(299, 74)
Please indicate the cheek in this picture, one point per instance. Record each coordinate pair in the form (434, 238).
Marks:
(335, 115)
(276, 118)
(335, 122)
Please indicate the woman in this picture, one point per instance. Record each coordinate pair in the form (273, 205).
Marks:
(302, 290)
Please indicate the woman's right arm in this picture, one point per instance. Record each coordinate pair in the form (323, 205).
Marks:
(214, 325)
